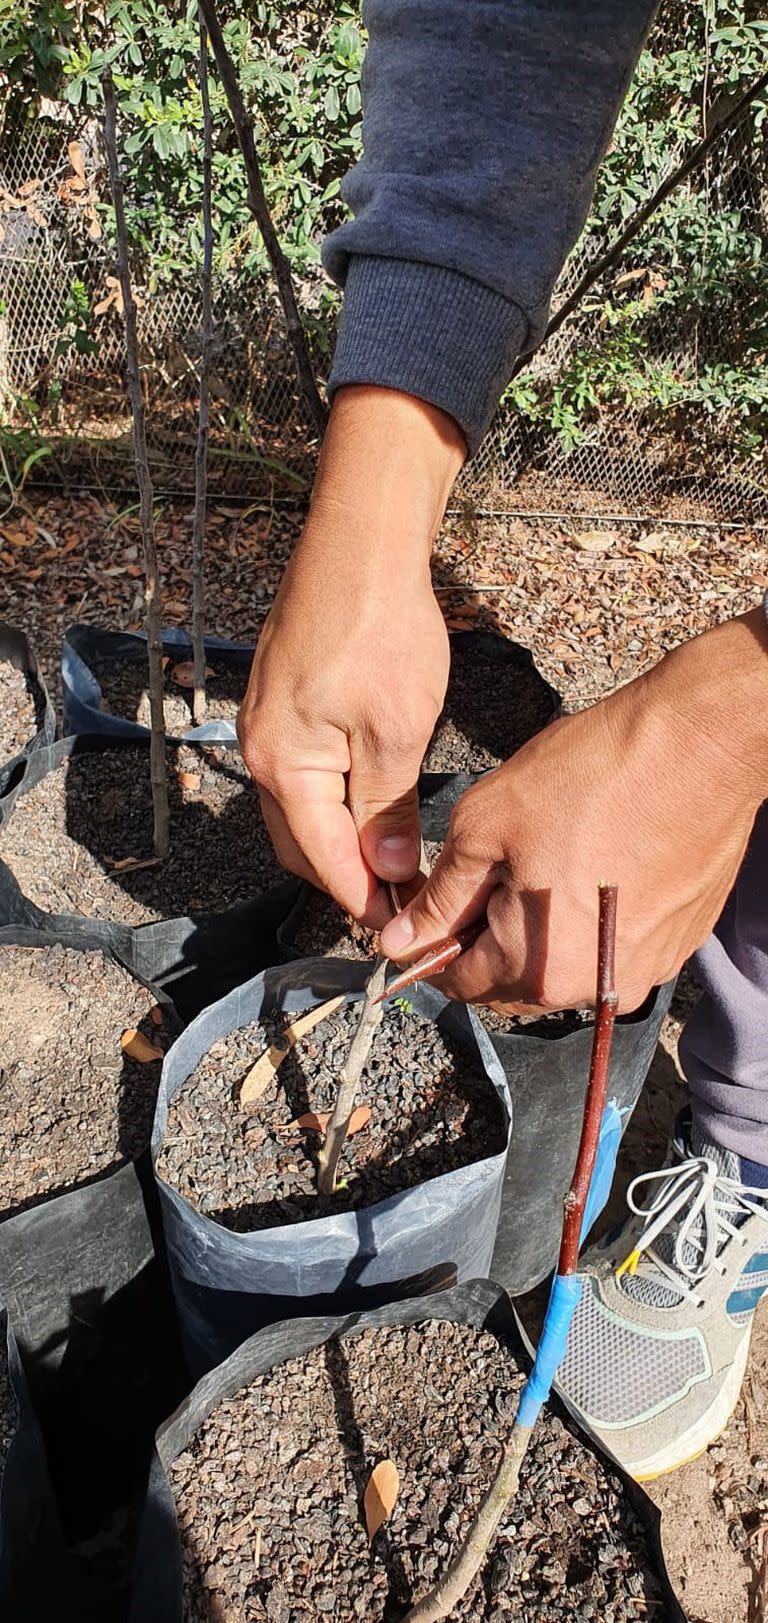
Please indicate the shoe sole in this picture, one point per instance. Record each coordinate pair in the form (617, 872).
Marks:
(691, 1444)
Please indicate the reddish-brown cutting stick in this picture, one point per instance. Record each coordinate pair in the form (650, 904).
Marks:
(436, 959)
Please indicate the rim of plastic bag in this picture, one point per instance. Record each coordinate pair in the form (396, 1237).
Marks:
(82, 694)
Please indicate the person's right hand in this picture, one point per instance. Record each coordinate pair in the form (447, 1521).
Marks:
(350, 673)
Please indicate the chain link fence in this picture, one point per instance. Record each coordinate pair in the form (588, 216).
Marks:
(62, 360)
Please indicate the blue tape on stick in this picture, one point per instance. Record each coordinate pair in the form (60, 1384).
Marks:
(605, 1166)
(564, 1299)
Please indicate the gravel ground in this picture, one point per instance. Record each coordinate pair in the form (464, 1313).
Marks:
(8, 1405)
(432, 1111)
(124, 691)
(19, 717)
(490, 710)
(72, 1103)
(95, 809)
(281, 1468)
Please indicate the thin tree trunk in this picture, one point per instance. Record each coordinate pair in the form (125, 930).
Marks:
(260, 210)
(201, 453)
(370, 1019)
(440, 1600)
(152, 597)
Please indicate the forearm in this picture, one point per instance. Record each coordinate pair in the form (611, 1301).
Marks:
(386, 471)
(484, 123)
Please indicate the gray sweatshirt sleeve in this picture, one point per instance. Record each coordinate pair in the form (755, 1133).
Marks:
(484, 122)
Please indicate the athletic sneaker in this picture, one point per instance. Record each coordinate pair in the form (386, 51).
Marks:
(658, 1345)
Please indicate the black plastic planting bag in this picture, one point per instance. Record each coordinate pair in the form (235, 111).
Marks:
(90, 1305)
(87, 1298)
(195, 959)
(227, 1285)
(36, 1573)
(439, 791)
(157, 1592)
(547, 1076)
(15, 650)
(82, 697)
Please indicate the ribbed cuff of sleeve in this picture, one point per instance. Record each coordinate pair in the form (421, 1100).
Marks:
(429, 332)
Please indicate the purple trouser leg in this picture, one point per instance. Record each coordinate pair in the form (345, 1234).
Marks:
(724, 1047)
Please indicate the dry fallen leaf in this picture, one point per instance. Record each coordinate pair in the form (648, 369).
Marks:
(77, 158)
(380, 1496)
(184, 674)
(316, 1121)
(139, 1047)
(189, 780)
(261, 1074)
(130, 864)
(594, 540)
(156, 1015)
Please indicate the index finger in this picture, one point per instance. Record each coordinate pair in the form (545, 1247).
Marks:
(311, 809)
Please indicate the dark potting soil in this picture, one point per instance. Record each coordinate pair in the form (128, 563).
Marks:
(21, 710)
(431, 1110)
(72, 1103)
(94, 810)
(8, 1405)
(124, 690)
(555, 1024)
(269, 1493)
(326, 930)
(490, 710)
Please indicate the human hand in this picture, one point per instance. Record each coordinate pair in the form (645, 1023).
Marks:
(655, 789)
(350, 672)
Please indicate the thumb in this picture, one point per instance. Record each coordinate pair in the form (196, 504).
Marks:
(385, 809)
(456, 894)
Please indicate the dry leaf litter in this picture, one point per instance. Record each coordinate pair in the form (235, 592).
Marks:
(72, 1102)
(282, 1468)
(432, 1110)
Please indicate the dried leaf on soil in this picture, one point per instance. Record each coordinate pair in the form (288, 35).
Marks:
(131, 864)
(380, 1496)
(316, 1121)
(184, 674)
(260, 1075)
(139, 1047)
(156, 1015)
(594, 540)
(189, 780)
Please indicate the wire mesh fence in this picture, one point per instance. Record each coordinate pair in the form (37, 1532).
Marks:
(61, 370)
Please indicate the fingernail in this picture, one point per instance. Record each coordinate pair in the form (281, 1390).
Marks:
(397, 935)
(397, 855)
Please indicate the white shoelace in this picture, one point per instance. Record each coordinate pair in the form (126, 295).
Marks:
(705, 1207)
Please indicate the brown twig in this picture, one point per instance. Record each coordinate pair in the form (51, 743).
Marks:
(439, 1602)
(606, 1002)
(152, 598)
(615, 249)
(201, 451)
(260, 210)
(360, 1047)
